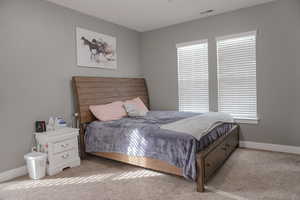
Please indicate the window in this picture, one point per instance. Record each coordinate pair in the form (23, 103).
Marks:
(193, 76)
(236, 72)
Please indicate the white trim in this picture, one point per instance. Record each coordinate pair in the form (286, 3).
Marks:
(191, 43)
(21, 171)
(270, 147)
(246, 121)
(226, 37)
(13, 173)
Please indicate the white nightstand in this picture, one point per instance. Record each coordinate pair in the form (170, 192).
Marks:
(62, 148)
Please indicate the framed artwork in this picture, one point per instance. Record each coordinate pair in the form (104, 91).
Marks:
(95, 49)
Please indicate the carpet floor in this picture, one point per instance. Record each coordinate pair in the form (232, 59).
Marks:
(247, 175)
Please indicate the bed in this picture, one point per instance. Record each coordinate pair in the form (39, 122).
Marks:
(100, 90)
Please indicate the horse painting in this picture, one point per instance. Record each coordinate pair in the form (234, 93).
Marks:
(95, 49)
(98, 48)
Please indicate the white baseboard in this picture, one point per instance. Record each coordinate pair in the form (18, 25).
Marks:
(13, 173)
(270, 147)
(21, 171)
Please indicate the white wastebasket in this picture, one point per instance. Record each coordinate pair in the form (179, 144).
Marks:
(36, 164)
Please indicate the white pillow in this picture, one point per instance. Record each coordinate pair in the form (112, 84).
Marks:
(133, 111)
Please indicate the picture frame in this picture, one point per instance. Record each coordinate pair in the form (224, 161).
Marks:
(95, 49)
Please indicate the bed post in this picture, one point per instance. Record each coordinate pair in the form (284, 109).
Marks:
(200, 173)
(81, 142)
(238, 136)
(78, 120)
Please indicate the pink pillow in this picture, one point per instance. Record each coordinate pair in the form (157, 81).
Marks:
(107, 112)
(138, 103)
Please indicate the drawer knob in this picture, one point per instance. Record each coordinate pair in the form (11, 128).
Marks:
(224, 148)
(207, 164)
(64, 145)
(65, 156)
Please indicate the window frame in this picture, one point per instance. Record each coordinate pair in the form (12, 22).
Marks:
(186, 44)
(232, 36)
(215, 89)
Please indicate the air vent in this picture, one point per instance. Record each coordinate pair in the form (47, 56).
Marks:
(206, 12)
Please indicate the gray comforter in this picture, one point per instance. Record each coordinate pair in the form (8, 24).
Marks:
(142, 136)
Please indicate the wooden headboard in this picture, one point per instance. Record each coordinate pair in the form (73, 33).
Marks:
(101, 90)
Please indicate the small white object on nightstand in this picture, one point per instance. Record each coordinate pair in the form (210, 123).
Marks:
(61, 145)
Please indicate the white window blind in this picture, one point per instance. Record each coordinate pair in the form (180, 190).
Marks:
(193, 76)
(237, 75)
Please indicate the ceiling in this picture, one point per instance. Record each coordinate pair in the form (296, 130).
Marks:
(145, 15)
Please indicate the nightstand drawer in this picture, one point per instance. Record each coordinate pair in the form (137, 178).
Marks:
(64, 157)
(65, 145)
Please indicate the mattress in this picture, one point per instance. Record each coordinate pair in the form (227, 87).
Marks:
(142, 136)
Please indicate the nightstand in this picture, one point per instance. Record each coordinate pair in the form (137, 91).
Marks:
(61, 147)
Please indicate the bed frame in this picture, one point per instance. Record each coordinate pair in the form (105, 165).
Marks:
(100, 90)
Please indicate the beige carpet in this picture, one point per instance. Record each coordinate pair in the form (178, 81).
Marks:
(247, 175)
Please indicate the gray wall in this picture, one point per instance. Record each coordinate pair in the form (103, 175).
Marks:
(37, 61)
(278, 53)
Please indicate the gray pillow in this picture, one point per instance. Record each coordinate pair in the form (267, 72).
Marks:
(133, 111)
